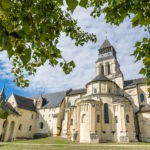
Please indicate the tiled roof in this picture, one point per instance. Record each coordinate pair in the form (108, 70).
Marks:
(24, 102)
(77, 91)
(134, 82)
(105, 44)
(53, 99)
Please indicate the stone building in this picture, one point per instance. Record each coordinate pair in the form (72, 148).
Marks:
(108, 109)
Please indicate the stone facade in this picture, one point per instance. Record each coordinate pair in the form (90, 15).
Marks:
(108, 109)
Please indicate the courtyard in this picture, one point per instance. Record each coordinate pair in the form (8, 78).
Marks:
(58, 143)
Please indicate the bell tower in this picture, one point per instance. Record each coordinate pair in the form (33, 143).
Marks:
(107, 63)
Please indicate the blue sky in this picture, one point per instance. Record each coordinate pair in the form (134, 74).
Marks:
(49, 79)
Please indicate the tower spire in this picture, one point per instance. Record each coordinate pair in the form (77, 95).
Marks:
(2, 94)
(106, 34)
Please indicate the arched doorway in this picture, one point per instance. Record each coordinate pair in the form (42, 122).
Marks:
(84, 128)
(5, 125)
(11, 131)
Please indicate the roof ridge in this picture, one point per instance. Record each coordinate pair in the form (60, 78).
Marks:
(22, 96)
(135, 79)
(48, 93)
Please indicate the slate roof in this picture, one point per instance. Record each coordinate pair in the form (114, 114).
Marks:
(77, 91)
(105, 44)
(53, 99)
(24, 102)
(100, 77)
(104, 58)
(145, 109)
(133, 82)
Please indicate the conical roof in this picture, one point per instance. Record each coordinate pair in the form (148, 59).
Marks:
(105, 44)
(99, 77)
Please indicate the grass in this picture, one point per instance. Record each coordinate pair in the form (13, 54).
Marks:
(58, 143)
(49, 140)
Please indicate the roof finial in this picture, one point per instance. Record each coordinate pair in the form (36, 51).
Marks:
(106, 34)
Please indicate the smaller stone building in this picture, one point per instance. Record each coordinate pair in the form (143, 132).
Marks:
(20, 124)
(50, 110)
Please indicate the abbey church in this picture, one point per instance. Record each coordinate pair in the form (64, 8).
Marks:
(108, 109)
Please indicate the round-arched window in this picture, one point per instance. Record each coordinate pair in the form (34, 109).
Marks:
(108, 68)
(41, 125)
(106, 113)
(142, 98)
(95, 90)
(102, 69)
(127, 119)
(83, 118)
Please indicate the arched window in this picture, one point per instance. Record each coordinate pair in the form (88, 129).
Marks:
(142, 98)
(20, 126)
(4, 124)
(95, 90)
(102, 69)
(32, 116)
(127, 119)
(30, 128)
(98, 118)
(116, 119)
(71, 122)
(41, 125)
(83, 118)
(106, 113)
(108, 68)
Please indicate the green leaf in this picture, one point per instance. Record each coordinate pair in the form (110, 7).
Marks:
(137, 44)
(72, 64)
(72, 4)
(83, 3)
(143, 71)
(6, 4)
(60, 2)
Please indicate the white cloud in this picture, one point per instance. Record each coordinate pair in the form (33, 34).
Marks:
(48, 79)
(5, 66)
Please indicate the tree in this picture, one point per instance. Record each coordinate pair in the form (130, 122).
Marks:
(30, 30)
(3, 112)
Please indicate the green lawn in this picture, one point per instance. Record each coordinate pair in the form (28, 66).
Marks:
(57, 143)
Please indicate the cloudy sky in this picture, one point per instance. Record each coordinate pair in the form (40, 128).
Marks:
(48, 79)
